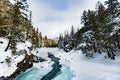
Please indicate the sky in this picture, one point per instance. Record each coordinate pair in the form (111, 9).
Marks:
(53, 17)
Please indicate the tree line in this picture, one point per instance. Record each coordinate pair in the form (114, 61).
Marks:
(100, 32)
(16, 25)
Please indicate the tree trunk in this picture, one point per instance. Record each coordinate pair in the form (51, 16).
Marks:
(8, 44)
(112, 53)
(118, 43)
(108, 52)
(95, 49)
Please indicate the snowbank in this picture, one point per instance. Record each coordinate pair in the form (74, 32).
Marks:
(83, 68)
(86, 69)
(8, 62)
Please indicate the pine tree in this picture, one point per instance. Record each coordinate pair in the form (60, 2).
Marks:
(100, 32)
(68, 42)
(88, 43)
(46, 42)
(113, 9)
(35, 38)
(84, 18)
(17, 17)
(60, 42)
(40, 39)
(73, 41)
(5, 17)
(112, 6)
(101, 19)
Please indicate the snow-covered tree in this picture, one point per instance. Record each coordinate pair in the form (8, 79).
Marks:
(61, 41)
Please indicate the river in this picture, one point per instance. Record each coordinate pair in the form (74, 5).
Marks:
(37, 74)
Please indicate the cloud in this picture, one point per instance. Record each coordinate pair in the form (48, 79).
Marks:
(52, 19)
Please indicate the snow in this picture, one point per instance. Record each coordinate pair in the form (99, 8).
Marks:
(83, 68)
(24, 46)
(41, 53)
(3, 43)
(8, 67)
(43, 65)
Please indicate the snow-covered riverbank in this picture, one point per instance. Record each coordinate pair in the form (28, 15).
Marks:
(83, 68)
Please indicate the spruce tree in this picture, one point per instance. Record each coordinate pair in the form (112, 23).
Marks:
(113, 9)
(17, 16)
(60, 42)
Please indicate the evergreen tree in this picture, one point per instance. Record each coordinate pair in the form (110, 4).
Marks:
(40, 39)
(100, 33)
(88, 41)
(113, 9)
(84, 18)
(102, 23)
(73, 41)
(17, 16)
(46, 42)
(60, 42)
(68, 40)
(102, 20)
(35, 38)
(112, 6)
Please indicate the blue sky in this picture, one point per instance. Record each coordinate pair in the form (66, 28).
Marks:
(60, 4)
(57, 4)
(53, 17)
